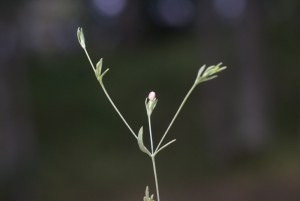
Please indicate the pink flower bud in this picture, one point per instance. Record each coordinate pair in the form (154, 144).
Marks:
(151, 95)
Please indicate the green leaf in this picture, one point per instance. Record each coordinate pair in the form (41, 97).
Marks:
(146, 103)
(80, 37)
(147, 198)
(78, 33)
(99, 64)
(141, 143)
(147, 192)
(154, 103)
(150, 105)
(211, 68)
(164, 146)
(98, 69)
(221, 69)
(200, 71)
(102, 75)
(209, 78)
(209, 73)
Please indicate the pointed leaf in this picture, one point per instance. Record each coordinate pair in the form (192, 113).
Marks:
(164, 146)
(154, 104)
(78, 34)
(221, 69)
(80, 37)
(147, 192)
(219, 64)
(209, 78)
(146, 104)
(98, 69)
(102, 75)
(99, 64)
(200, 71)
(211, 68)
(141, 143)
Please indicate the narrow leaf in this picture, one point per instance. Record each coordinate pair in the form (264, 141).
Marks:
(154, 104)
(141, 143)
(104, 73)
(164, 146)
(80, 36)
(147, 192)
(211, 68)
(221, 69)
(209, 78)
(200, 71)
(219, 64)
(98, 69)
(99, 64)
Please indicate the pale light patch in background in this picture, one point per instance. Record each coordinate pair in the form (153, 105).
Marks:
(230, 10)
(173, 13)
(110, 8)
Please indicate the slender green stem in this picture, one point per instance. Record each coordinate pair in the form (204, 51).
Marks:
(150, 131)
(87, 54)
(184, 100)
(102, 85)
(155, 176)
(156, 152)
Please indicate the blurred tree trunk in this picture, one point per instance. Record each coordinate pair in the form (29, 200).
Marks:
(253, 117)
(237, 124)
(17, 139)
(217, 107)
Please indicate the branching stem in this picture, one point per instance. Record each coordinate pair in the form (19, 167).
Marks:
(202, 76)
(175, 116)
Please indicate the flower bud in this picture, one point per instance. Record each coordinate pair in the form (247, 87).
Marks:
(150, 102)
(80, 37)
(151, 95)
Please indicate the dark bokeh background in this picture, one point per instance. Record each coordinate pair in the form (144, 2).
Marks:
(238, 136)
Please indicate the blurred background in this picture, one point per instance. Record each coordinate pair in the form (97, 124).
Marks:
(238, 136)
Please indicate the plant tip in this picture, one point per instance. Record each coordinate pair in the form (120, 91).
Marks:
(80, 36)
(152, 95)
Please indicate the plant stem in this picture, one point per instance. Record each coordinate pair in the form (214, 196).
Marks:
(102, 85)
(150, 131)
(184, 100)
(155, 176)
(89, 59)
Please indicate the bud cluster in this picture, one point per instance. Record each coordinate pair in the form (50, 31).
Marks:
(147, 197)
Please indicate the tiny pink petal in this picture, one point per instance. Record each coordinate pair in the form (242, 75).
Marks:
(151, 95)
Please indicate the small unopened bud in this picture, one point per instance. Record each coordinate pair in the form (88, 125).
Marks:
(150, 105)
(152, 95)
(80, 37)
